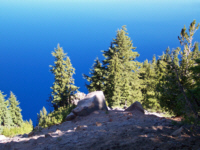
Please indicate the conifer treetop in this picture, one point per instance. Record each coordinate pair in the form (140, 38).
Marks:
(63, 87)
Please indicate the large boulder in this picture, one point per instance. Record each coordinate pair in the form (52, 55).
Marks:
(135, 106)
(92, 102)
(77, 97)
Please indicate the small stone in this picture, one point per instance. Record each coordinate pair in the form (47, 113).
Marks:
(58, 131)
(81, 127)
(30, 134)
(70, 117)
(96, 112)
(47, 135)
(98, 124)
(110, 120)
(25, 136)
(177, 132)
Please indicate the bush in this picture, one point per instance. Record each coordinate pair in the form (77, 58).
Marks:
(12, 131)
(55, 117)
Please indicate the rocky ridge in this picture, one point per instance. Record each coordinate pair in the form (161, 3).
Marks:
(101, 130)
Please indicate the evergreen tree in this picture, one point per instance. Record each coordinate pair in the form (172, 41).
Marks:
(31, 122)
(188, 54)
(63, 86)
(15, 110)
(170, 95)
(178, 81)
(42, 117)
(196, 52)
(97, 77)
(196, 76)
(121, 77)
(149, 78)
(5, 118)
(113, 94)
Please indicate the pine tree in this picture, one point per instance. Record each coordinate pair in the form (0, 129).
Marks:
(188, 54)
(148, 76)
(113, 82)
(31, 122)
(63, 86)
(196, 52)
(122, 82)
(196, 76)
(170, 95)
(42, 117)
(15, 110)
(5, 118)
(178, 81)
(96, 79)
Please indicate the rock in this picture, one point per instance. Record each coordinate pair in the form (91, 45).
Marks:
(93, 101)
(109, 108)
(58, 131)
(16, 138)
(118, 108)
(96, 112)
(98, 124)
(47, 135)
(70, 117)
(82, 127)
(31, 134)
(146, 112)
(177, 132)
(2, 137)
(78, 96)
(25, 136)
(136, 106)
(125, 107)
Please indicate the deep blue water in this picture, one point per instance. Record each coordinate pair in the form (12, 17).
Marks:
(30, 30)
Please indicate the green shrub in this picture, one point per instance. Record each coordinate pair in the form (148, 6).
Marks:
(12, 131)
(55, 117)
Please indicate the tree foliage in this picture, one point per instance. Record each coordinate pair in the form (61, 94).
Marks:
(15, 110)
(179, 82)
(11, 122)
(122, 76)
(63, 87)
(5, 117)
(148, 75)
(170, 83)
(26, 127)
(55, 117)
(118, 77)
(96, 80)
